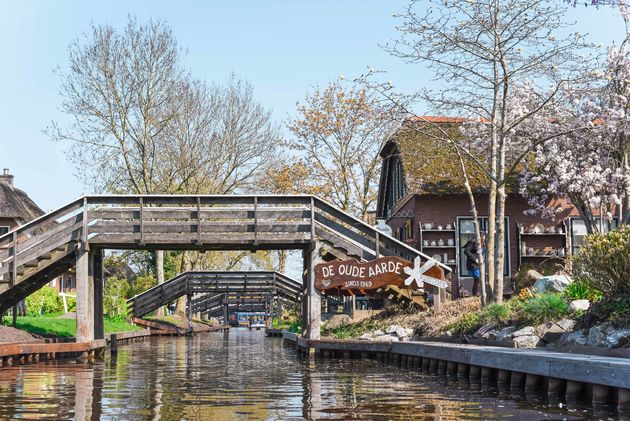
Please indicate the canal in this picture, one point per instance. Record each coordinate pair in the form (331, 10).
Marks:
(244, 375)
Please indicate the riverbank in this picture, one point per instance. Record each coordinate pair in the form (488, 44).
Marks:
(63, 326)
(560, 376)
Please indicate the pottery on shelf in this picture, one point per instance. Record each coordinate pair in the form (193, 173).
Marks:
(433, 243)
(425, 242)
(450, 242)
(440, 227)
(445, 257)
(449, 227)
(440, 242)
(428, 225)
(530, 251)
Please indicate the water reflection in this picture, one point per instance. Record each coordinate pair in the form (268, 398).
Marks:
(244, 375)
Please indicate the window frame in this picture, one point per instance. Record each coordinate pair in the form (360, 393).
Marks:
(483, 221)
(575, 249)
(5, 226)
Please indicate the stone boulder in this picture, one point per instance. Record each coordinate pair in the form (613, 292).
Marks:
(526, 331)
(531, 276)
(617, 338)
(566, 324)
(392, 328)
(338, 320)
(366, 337)
(574, 338)
(596, 336)
(483, 330)
(401, 332)
(553, 283)
(506, 333)
(553, 332)
(579, 305)
(527, 341)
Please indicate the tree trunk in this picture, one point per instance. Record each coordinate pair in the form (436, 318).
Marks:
(159, 270)
(500, 246)
(491, 241)
(180, 309)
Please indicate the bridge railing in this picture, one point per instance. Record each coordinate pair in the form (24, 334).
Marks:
(202, 222)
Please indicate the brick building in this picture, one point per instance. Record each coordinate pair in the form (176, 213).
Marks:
(423, 199)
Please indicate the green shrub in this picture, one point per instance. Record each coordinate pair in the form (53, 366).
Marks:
(604, 262)
(467, 323)
(45, 300)
(496, 314)
(141, 284)
(544, 308)
(115, 297)
(580, 290)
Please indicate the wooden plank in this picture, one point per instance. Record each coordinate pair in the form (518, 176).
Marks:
(165, 227)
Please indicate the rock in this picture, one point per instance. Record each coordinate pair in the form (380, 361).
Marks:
(378, 333)
(527, 341)
(554, 283)
(566, 324)
(365, 337)
(392, 328)
(385, 338)
(617, 338)
(526, 331)
(550, 332)
(579, 305)
(491, 335)
(531, 276)
(483, 330)
(596, 336)
(573, 338)
(505, 334)
(401, 332)
(338, 320)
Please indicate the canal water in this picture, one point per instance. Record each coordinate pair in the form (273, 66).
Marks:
(243, 375)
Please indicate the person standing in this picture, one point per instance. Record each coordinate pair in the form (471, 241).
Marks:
(472, 250)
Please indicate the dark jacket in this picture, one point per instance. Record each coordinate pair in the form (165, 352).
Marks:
(471, 250)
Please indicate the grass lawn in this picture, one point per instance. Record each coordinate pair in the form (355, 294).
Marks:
(64, 327)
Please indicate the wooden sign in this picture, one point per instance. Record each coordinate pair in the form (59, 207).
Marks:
(352, 274)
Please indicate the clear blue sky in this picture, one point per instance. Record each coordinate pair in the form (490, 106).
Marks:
(282, 47)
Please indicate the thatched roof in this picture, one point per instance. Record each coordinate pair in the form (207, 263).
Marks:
(15, 204)
(430, 164)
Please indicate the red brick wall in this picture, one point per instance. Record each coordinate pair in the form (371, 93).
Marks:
(444, 209)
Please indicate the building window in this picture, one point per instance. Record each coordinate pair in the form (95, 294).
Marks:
(466, 232)
(4, 230)
(578, 231)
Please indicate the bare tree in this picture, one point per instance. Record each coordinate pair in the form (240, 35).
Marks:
(339, 132)
(141, 124)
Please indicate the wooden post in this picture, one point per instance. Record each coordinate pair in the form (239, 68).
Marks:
(85, 296)
(99, 324)
(314, 298)
(226, 304)
(437, 300)
(189, 312)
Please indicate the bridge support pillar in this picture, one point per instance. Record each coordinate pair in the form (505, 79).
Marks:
(314, 300)
(85, 295)
(225, 310)
(99, 279)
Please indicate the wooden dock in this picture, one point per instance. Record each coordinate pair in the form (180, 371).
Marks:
(574, 377)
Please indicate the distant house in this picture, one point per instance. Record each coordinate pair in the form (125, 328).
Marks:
(423, 199)
(17, 209)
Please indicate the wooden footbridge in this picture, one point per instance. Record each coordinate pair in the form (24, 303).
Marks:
(77, 233)
(218, 292)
